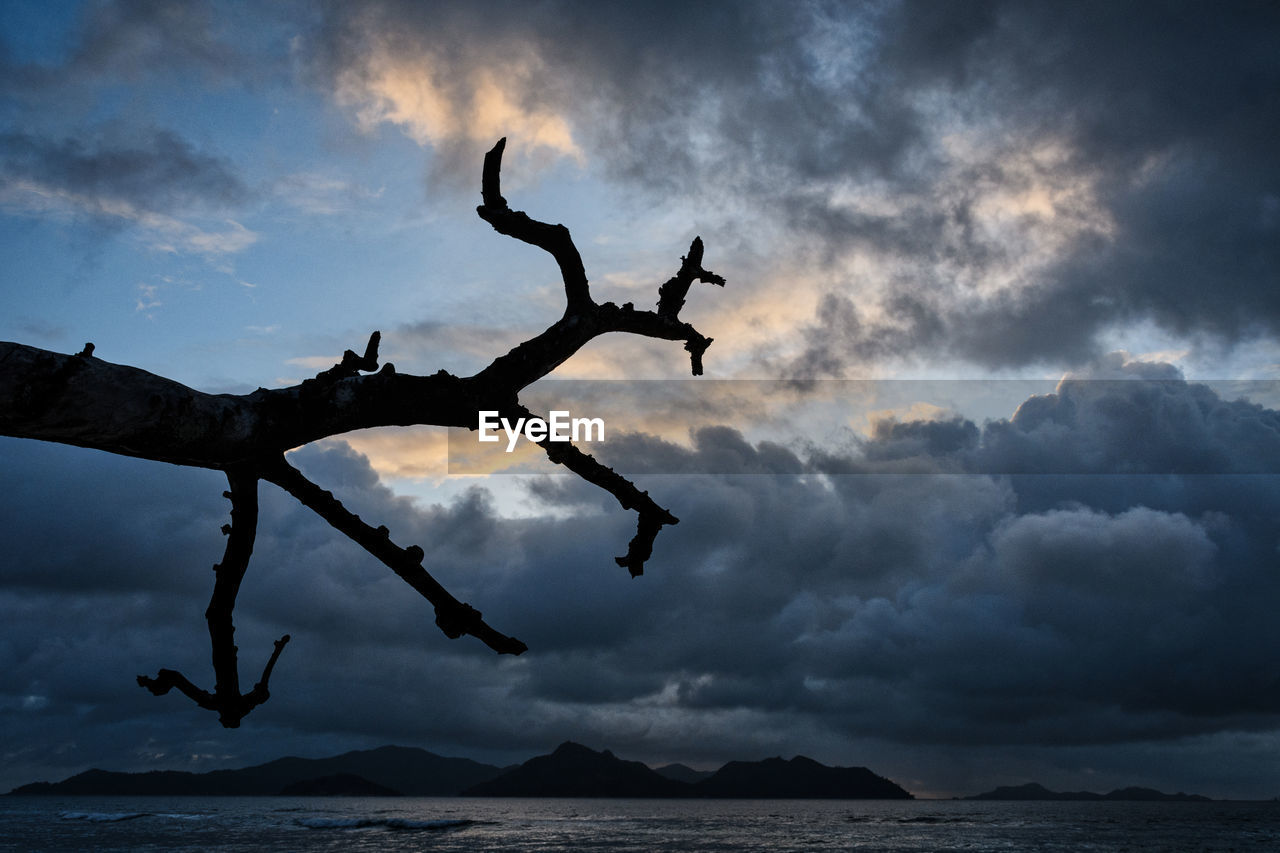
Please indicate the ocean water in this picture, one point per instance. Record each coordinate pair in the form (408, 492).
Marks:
(452, 824)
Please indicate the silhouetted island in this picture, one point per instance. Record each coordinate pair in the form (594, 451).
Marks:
(338, 785)
(574, 770)
(682, 773)
(799, 778)
(1036, 791)
(394, 769)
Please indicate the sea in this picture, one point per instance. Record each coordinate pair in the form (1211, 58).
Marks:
(137, 824)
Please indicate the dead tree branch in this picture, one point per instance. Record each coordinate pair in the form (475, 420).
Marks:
(226, 699)
(453, 617)
(85, 401)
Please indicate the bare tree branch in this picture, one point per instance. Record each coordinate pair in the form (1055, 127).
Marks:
(226, 699)
(650, 517)
(454, 617)
(85, 401)
(671, 295)
(554, 239)
(583, 319)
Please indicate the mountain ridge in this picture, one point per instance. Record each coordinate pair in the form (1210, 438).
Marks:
(570, 770)
(573, 770)
(799, 778)
(401, 769)
(1035, 791)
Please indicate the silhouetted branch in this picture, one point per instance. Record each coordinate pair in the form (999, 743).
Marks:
(452, 616)
(231, 705)
(167, 679)
(583, 319)
(85, 401)
(554, 239)
(651, 517)
(671, 294)
(353, 364)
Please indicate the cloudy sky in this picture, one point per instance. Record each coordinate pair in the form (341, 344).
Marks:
(980, 487)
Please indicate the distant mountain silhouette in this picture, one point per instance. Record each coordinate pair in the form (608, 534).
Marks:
(414, 772)
(1032, 791)
(1150, 794)
(574, 770)
(798, 778)
(338, 785)
(1036, 791)
(682, 773)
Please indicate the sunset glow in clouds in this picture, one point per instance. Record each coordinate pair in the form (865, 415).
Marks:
(970, 571)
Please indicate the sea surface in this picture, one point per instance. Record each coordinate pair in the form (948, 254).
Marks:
(453, 824)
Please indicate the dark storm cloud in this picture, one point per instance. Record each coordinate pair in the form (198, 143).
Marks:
(1164, 114)
(872, 601)
(1097, 426)
(105, 564)
(803, 598)
(1196, 252)
(115, 552)
(640, 80)
(106, 575)
(157, 171)
(1165, 111)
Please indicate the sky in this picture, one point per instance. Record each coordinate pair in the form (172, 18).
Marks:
(979, 487)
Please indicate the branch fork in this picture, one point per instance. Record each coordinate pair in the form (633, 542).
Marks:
(232, 705)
